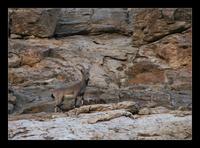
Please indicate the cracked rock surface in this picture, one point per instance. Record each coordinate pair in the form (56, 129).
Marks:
(140, 78)
(102, 125)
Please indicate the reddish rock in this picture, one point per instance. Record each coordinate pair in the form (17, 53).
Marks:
(30, 57)
(153, 77)
(173, 51)
(145, 73)
(176, 50)
(151, 25)
(15, 77)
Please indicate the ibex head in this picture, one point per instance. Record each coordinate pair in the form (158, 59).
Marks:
(84, 71)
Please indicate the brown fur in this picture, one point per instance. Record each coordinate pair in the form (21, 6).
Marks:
(71, 91)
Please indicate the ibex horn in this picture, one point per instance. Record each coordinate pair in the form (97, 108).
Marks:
(89, 67)
(80, 66)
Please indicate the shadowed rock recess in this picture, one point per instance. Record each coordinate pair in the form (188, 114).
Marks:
(140, 77)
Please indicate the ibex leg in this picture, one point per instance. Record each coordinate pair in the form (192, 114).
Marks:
(75, 102)
(82, 100)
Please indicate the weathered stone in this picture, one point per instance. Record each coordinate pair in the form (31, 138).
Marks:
(39, 65)
(73, 21)
(119, 126)
(107, 116)
(15, 78)
(145, 72)
(147, 81)
(105, 72)
(154, 77)
(180, 79)
(15, 36)
(150, 25)
(144, 111)
(108, 20)
(183, 14)
(129, 106)
(11, 99)
(181, 98)
(45, 106)
(97, 76)
(93, 20)
(176, 50)
(30, 58)
(10, 108)
(156, 110)
(14, 60)
(147, 95)
(92, 96)
(110, 96)
(39, 22)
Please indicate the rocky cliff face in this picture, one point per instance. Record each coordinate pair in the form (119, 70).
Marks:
(139, 55)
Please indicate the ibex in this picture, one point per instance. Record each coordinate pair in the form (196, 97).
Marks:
(73, 91)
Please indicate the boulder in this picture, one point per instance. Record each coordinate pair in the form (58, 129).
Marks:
(38, 22)
(73, 21)
(109, 20)
(153, 24)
